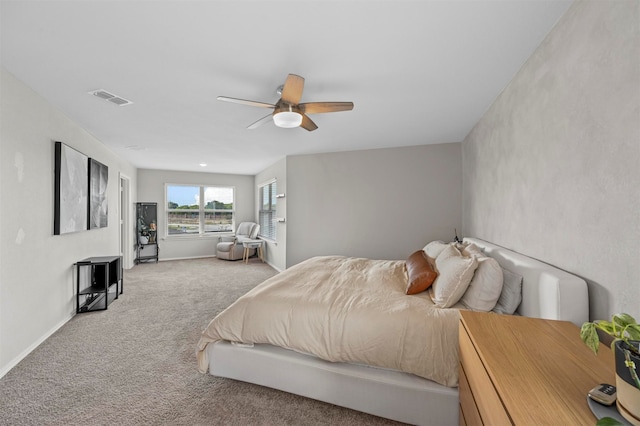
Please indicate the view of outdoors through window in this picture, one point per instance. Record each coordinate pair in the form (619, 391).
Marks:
(267, 213)
(199, 209)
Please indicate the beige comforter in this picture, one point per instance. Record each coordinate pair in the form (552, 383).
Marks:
(346, 310)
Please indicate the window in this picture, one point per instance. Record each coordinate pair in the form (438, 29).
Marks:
(199, 210)
(267, 213)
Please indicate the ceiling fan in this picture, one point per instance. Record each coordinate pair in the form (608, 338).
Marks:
(288, 112)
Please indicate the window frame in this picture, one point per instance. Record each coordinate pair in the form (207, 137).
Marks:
(268, 232)
(202, 211)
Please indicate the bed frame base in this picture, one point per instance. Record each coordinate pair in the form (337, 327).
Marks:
(386, 393)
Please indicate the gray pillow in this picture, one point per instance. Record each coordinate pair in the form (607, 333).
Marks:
(511, 295)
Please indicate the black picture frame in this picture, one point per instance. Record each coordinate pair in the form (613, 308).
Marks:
(98, 207)
(70, 190)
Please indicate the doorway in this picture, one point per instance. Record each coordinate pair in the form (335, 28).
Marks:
(125, 204)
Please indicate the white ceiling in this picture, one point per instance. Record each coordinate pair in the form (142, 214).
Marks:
(418, 72)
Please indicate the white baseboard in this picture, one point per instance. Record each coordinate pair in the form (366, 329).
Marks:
(274, 267)
(5, 369)
(185, 258)
(204, 257)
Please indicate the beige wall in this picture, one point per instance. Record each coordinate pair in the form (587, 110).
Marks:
(151, 188)
(380, 204)
(553, 168)
(36, 267)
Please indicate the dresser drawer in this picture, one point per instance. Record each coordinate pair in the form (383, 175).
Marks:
(470, 415)
(481, 389)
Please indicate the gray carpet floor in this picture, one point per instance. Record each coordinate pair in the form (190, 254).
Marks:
(134, 364)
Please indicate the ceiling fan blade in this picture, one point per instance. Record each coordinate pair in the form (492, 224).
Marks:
(308, 124)
(261, 121)
(292, 89)
(245, 102)
(319, 107)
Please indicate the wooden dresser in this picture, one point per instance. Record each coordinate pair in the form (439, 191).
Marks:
(525, 371)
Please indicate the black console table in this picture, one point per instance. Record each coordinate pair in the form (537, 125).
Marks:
(98, 282)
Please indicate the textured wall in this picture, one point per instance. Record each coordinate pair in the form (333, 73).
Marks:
(553, 168)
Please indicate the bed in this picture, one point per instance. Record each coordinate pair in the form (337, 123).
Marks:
(382, 370)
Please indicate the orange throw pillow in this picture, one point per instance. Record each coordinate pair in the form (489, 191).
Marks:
(421, 272)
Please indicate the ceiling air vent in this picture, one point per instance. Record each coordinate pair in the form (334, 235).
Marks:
(110, 97)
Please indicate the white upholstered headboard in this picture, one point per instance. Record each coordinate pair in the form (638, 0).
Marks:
(547, 292)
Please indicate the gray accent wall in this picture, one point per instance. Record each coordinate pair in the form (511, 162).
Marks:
(380, 203)
(553, 168)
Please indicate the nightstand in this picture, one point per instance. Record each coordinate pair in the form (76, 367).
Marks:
(252, 244)
(520, 371)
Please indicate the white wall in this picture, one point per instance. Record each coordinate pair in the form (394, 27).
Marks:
(381, 203)
(36, 267)
(275, 251)
(151, 188)
(553, 168)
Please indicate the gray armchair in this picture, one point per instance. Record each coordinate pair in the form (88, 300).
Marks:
(231, 248)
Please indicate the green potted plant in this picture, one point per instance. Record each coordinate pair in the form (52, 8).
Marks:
(625, 332)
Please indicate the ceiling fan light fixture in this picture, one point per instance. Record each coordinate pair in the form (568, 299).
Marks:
(288, 112)
(287, 119)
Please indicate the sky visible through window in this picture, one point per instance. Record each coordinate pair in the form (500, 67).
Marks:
(189, 195)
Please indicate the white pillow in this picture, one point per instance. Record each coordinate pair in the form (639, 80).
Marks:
(434, 248)
(511, 295)
(462, 245)
(454, 275)
(485, 287)
(472, 250)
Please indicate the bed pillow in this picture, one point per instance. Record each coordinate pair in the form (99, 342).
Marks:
(511, 295)
(472, 250)
(461, 245)
(434, 248)
(485, 287)
(421, 272)
(454, 275)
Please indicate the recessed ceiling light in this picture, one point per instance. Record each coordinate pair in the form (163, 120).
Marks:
(203, 164)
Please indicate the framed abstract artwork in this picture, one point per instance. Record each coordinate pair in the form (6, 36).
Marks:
(98, 201)
(70, 190)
